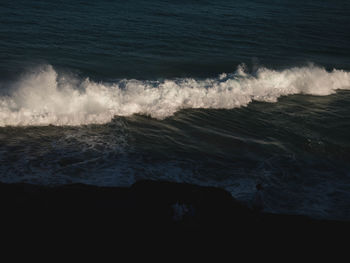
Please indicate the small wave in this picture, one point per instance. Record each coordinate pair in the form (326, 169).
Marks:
(46, 97)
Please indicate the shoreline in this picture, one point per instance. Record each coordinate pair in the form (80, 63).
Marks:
(156, 204)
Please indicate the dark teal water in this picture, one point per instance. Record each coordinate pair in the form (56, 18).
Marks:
(223, 93)
(156, 39)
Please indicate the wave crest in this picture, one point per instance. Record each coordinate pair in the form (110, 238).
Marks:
(46, 97)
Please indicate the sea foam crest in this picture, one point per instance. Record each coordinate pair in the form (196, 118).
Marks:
(46, 97)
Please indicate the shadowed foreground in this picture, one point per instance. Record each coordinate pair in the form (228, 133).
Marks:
(146, 205)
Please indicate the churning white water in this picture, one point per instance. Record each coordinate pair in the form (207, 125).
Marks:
(46, 97)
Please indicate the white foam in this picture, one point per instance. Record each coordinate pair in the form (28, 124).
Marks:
(45, 97)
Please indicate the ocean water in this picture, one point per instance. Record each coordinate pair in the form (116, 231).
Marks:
(221, 93)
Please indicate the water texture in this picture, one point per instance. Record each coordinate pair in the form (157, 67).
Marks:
(222, 93)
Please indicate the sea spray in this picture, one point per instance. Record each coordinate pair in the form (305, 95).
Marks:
(48, 98)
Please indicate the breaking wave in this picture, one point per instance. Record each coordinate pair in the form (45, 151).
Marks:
(46, 97)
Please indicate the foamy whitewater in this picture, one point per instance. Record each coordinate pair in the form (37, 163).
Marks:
(221, 93)
(45, 97)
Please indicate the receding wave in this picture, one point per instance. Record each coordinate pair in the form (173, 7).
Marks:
(46, 97)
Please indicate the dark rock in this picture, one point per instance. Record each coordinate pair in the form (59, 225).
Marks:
(145, 205)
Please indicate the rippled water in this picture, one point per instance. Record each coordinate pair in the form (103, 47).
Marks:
(224, 93)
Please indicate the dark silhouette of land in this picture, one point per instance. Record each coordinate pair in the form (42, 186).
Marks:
(146, 205)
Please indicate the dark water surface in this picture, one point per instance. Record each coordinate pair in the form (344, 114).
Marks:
(223, 93)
